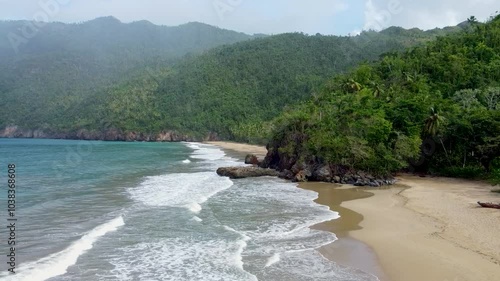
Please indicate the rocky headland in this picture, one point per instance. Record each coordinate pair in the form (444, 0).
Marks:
(297, 169)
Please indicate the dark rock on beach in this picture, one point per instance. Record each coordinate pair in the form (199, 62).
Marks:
(287, 174)
(246, 172)
(322, 173)
(299, 166)
(252, 159)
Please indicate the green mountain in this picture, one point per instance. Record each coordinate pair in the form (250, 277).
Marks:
(126, 78)
(62, 65)
(433, 108)
(234, 89)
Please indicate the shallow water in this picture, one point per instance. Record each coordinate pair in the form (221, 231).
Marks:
(158, 211)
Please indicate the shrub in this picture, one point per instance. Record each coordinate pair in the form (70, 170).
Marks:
(468, 172)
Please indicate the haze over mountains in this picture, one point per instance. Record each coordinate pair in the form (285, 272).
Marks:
(64, 63)
(71, 77)
(365, 102)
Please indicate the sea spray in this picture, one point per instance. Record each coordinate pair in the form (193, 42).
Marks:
(273, 259)
(185, 190)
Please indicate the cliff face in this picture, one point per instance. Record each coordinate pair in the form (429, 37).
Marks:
(107, 135)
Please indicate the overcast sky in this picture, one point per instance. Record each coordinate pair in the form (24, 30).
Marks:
(338, 17)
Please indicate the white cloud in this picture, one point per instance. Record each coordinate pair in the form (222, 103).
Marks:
(267, 16)
(426, 14)
(285, 16)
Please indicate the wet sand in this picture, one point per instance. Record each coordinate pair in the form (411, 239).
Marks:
(433, 230)
(421, 229)
(346, 251)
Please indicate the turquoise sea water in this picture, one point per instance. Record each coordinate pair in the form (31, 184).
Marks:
(156, 211)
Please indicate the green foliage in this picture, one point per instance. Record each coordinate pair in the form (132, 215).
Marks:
(495, 172)
(104, 74)
(375, 117)
(235, 90)
(94, 75)
(470, 172)
(53, 80)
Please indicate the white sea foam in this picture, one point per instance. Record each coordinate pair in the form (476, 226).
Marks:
(311, 265)
(194, 207)
(180, 259)
(57, 264)
(277, 216)
(192, 145)
(271, 218)
(187, 161)
(273, 259)
(242, 243)
(206, 152)
(196, 219)
(180, 190)
(212, 156)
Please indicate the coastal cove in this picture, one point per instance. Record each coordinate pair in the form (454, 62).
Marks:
(162, 208)
(418, 229)
(250, 140)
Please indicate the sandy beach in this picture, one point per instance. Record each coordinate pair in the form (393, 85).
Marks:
(241, 148)
(433, 230)
(347, 250)
(421, 229)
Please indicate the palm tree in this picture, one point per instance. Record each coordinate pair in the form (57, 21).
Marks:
(377, 90)
(352, 86)
(472, 20)
(408, 77)
(433, 125)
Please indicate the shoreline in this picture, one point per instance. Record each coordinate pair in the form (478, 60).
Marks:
(420, 229)
(432, 229)
(241, 149)
(346, 251)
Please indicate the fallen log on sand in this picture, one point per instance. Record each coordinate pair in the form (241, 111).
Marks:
(489, 205)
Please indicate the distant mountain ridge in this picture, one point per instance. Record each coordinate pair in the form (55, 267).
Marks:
(175, 40)
(64, 64)
(144, 79)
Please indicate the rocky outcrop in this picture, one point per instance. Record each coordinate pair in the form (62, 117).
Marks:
(111, 134)
(252, 159)
(311, 168)
(246, 172)
(16, 132)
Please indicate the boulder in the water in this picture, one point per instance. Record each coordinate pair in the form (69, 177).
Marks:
(252, 159)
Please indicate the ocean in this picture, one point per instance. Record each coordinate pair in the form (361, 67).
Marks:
(90, 210)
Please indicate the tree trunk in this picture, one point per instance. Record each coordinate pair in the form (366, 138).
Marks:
(445, 151)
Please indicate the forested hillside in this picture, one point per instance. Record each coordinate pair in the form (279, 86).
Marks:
(433, 108)
(229, 91)
(63, 65)
(234, 89)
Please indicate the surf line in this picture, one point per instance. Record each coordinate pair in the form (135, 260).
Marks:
(11, 218)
